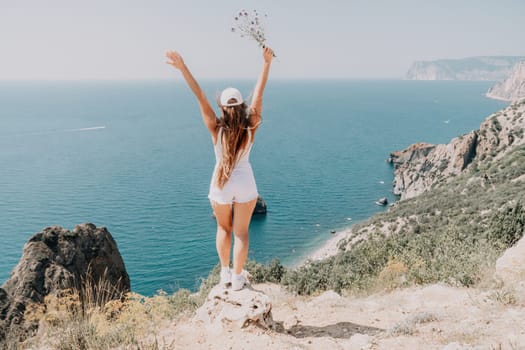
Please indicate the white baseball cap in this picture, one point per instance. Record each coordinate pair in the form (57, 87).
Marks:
(228, 94)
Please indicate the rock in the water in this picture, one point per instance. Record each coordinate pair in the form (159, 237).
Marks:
(227, 308)
(57, 259)
(260, 207)
(382, 201)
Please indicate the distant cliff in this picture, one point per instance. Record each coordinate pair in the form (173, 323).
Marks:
(472, 68)
(423, 166)
(512, 88)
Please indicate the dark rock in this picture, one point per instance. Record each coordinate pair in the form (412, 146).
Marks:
(6, 315)
(55, 260)
(382, 201)
(260, 207)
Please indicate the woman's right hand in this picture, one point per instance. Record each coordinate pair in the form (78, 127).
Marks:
(175, 59)
(268, 54)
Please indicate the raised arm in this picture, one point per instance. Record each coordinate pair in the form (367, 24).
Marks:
(208, 115)
(256, 106)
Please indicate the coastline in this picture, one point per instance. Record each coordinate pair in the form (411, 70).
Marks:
(327, 249)
(495, 97)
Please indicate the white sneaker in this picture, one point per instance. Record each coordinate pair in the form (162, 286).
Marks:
(239, 281)
(226, 277)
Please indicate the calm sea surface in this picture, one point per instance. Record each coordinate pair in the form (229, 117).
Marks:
(135, 157)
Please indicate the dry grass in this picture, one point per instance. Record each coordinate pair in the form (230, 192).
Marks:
(504, 296)
(393, 275)
(409, 326)
(130, 323)
(97, 316)
(95, 293)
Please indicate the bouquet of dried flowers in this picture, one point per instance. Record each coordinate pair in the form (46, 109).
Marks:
(250, 25)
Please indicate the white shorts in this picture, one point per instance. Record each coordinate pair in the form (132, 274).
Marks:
(240, 187)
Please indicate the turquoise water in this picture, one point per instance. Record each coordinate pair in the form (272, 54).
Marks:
(136, 158)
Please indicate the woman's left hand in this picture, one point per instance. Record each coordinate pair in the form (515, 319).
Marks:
(268, 54)
(175, 59)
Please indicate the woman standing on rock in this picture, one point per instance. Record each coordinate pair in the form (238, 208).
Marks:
(233, 192)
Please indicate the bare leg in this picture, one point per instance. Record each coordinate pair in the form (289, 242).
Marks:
(223, 241)
(242, 214)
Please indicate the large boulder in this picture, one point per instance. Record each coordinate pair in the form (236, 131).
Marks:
(225, 308)
(56, 260)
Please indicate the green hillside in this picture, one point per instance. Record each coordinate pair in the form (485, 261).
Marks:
(452, 233)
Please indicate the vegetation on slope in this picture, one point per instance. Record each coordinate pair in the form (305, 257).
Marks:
(450, 234)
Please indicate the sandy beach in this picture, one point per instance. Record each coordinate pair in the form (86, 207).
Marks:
(329, 248)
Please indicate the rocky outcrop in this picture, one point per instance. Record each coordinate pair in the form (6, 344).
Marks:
(421, 166)
(513, 87)
(471, 68)
(225, 308)
(55, 260)
(502, 131)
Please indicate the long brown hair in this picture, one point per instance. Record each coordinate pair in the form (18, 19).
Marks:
(235, 126)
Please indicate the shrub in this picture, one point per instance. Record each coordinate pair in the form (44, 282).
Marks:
(496, 124)
(270, 272)
(508, 225)
(393, 274)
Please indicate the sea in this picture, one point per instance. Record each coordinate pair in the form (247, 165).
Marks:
(135, 156)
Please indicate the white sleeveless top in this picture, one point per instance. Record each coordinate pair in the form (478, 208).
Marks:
(241, 186)
(245, 154)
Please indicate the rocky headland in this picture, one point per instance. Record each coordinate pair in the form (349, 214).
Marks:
(422, 166)
(512, 88)
(472, 68)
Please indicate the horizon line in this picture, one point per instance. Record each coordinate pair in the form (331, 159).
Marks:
(177, 79)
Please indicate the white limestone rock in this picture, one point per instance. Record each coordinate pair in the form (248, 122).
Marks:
(225, 308)
(512, 88)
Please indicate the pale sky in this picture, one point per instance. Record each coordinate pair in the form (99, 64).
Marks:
(126, 39)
